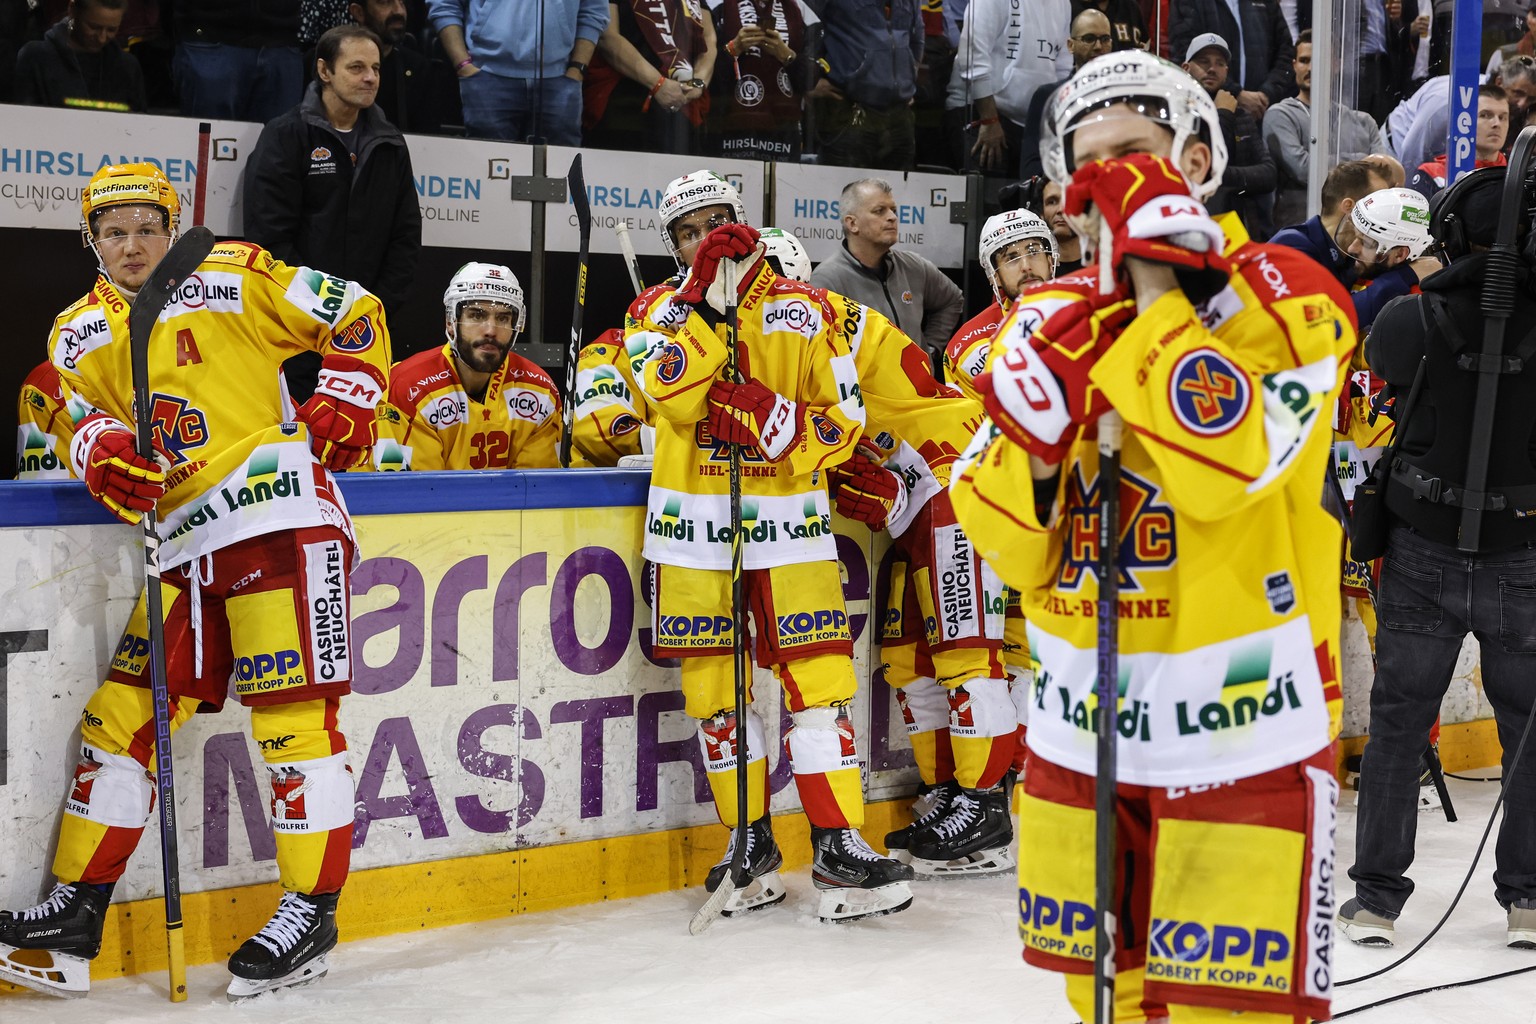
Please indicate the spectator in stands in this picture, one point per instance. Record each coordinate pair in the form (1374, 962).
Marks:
(1248, 185)
(1127, 23)
(1517, 77)
(1406, 28)
(416, 93)
(761, 83)
(1090, 37)
(318, 16)
(238, 60)
(78, 63)
(1415, 125)
(329, 183)
(863, 105)
(650, 88)
(1372, 87)
(1288, 133)
(20, 23)
(1068, 241)
(1488, 144)
(906, 288)
(1263, 52)
(510, 87)
(1007, 51)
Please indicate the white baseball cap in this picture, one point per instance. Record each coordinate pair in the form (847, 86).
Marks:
(1205, 41)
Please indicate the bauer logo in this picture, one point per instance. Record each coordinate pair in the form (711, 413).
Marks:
(357, 336)
(80, 337)
(1209, 395)
(533, 406)
(330, 647)
(206, 292)
(671, 363)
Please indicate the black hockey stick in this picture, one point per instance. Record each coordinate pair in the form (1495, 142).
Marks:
(1106, 724)
(735, 875)
(164, 282)
(578, 187)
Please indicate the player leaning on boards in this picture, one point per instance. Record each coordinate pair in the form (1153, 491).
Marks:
(795, 412)
(942, 640)
(474, 403)
(1229, 586)
(256, 546)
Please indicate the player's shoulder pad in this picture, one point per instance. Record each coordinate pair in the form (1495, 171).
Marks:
(524, 370)
(648, 298)
(416, 376)
(1277, 273)
(235, 253)
(45, 378)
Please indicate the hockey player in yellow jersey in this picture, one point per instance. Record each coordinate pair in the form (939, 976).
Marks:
(45, 426)
(1223, 358)
(474, 403)
(255, 549)
(795, 412)
(612, 418)
(944, 656)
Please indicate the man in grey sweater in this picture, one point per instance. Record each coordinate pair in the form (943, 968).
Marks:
(909, 290)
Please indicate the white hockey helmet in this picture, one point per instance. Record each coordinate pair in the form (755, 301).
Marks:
(787, 254)
(1160, 89)
(483, 282)
(1391, 217)
(692, 192)
(1004, 229)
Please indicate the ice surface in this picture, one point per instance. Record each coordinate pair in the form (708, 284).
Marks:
(953, 957)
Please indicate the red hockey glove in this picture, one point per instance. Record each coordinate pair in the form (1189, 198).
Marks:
(340, 414)
(1040, 390)
(865, 490)
(726, 242)
(1148, 213)
(753, 416)
(115, 473)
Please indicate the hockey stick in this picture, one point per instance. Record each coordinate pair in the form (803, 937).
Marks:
(200, 190)
(631, 261)
(157, 293)
(734, 877)
(578, 187)
(1107, 722)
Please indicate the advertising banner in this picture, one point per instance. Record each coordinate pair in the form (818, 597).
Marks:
(807, 204)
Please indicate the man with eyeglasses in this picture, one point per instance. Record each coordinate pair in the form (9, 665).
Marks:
(1127, 24)
(1090, 37)
(474, 403)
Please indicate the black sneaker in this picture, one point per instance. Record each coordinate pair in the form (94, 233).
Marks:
(303, 929)
(69, 921)
(975, 820)
(763, 856)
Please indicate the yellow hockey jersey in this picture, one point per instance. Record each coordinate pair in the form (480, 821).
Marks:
(965, 357)
(787, 341)
(240, 466)
(612, 417)
(1228, 563)
(45, 427)
(433, 423)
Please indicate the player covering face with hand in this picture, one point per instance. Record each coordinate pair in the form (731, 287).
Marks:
(1222, 358)
(794, 411)
(255, 551)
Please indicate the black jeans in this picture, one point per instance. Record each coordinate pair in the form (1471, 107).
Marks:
(1430, 597)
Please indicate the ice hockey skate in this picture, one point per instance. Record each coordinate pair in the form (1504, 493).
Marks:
(974, 836)
(929, 806)
(291, 949)
(854, 880)
(49, 947)
(764, 887)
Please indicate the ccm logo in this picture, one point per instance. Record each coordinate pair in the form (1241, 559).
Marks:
(357, 390)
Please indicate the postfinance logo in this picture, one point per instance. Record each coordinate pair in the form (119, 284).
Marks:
(1230, 955)
(1148, 531)
(1247, 694)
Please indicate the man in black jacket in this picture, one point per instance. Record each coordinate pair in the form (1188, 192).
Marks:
(1261, 47)
(78, 63)
(329, 184)
(1248, 185)
(1438, 584)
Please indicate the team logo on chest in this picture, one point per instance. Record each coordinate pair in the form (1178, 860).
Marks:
(1208, 394)
(177, 426)
(1148, 537)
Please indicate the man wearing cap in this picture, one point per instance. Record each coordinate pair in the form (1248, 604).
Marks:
(1288, 133)
(1260, 72)
(1248, 187)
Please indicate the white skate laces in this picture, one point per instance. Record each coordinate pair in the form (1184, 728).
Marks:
(855, 846)
(282, 933)
(55, 903)
(963, 812)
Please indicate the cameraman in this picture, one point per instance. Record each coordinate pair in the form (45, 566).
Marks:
(1431, 594)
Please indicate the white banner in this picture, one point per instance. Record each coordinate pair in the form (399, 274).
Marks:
(807, 201)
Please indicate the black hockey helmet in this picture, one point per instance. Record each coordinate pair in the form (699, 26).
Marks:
(1467, 213)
